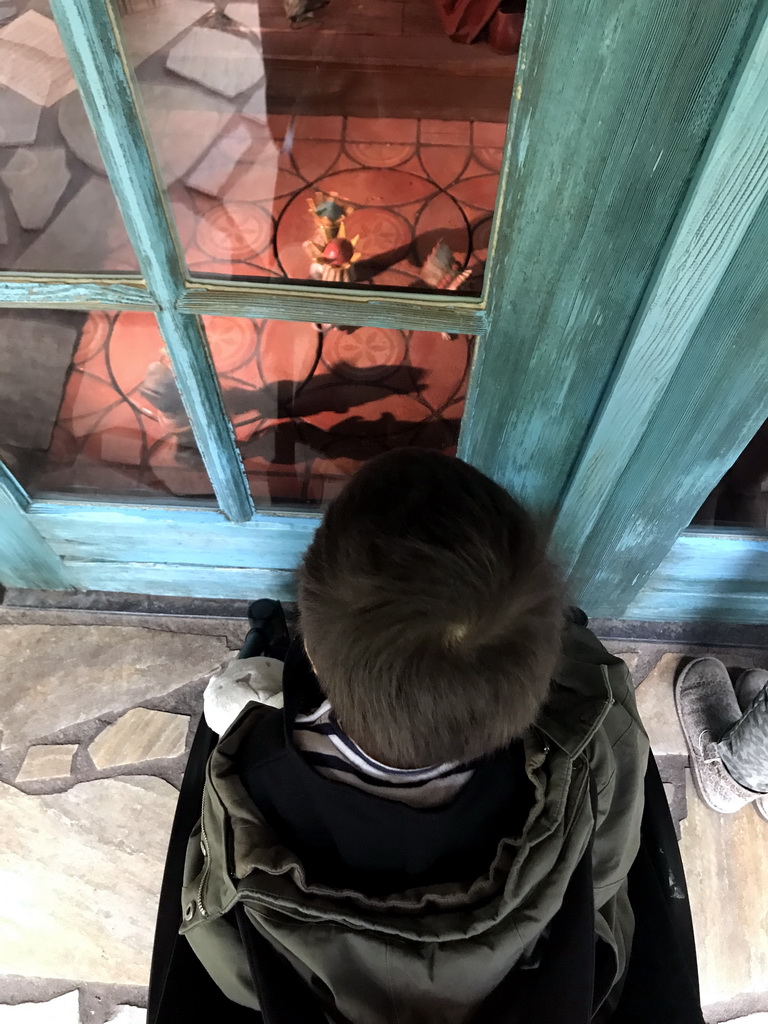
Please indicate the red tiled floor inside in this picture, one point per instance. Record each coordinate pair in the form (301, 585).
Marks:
(373, 104)
(308, 403)
(411, 182)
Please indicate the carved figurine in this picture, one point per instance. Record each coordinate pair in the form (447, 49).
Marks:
(335, 259)
(328, 212)
(443, 270)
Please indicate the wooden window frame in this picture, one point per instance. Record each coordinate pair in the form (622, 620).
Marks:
(581, 261)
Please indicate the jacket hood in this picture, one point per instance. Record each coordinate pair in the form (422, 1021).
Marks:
(261, 871)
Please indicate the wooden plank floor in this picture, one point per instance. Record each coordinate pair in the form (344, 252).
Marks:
(388, 57)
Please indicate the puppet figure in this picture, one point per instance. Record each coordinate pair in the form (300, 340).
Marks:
(328, 211)
(443, 270)
(335, 259)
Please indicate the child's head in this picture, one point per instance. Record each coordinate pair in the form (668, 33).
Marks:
(429, 611)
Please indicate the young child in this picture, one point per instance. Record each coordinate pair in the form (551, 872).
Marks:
(439, 823)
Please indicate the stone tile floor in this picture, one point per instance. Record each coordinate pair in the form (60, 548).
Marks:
(96, 724)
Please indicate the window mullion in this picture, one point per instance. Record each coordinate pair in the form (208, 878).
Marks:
(26, 559)
(90, 35)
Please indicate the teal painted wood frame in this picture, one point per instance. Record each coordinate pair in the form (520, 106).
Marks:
(716, 577)
(91, 36)
(613, 105)
(361, 306)
(729, 188)
(185, 580)
(693, 385)
(99, 292)
(26, 560)
(91, 39)
(284, 302)
(156, 534)
(169, 550)
(715, 401)
(708, 577)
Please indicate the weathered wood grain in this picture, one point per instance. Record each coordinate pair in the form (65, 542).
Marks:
(730, 184)
(613, 104)
(184, 580)
(26, 560)
(714, 404)
(708, 577)
(54, 291)
(363, 308)
(199, 388)
(177, 535)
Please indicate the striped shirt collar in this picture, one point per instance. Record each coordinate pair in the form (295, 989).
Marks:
(356, 756)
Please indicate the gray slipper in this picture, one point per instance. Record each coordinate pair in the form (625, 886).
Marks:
(747, 687)
(707, 708)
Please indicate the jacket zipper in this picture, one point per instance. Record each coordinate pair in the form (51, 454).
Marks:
(206, 864)
(583, 795)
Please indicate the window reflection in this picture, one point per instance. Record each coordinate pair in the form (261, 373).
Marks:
(394, 112)
(90, 403)
(57, 210)
(741, 497)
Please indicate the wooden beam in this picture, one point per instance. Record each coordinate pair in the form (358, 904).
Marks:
(363, 307)
(714, 404)
(730, 184)
(101, 67)
(195, 536)
(184, 580)
(613, 104)
(199, 388)
(69, 292)
(91, 38)
(708, 577)
(26, 560)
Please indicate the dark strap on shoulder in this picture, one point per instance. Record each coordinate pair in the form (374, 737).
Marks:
(662, 982)
(284, 996)
(561, 988)
(180, 989)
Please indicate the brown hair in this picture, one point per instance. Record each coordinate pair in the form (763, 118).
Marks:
(430, 611)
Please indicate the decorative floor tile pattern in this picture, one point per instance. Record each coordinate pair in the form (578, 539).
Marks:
(68, 838)
(309, 403)
(47, 761)
(239, 181)
(411, 177)
(412, 182)
(140, 735)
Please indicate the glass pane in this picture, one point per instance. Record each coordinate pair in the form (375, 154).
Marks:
(741, 497)
(311, 402)
(57, 210)
(364, 149)
(88, 404)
